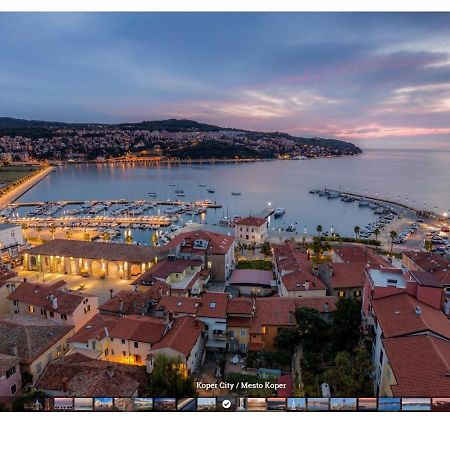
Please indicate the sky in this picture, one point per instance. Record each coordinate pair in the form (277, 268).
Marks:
(376, 79)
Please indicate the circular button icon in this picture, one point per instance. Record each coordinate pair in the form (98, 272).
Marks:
(226, 404)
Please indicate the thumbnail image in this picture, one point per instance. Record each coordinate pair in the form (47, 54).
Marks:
(83, 404)
(103, 404)
(416, 404)
(143, 404)
(256, 404)
(241, 404)
(440, 404)
(63, 404)
(165, 404)
(388, 404)
(276, 404)
(318, 404)
(296, 404)
(206, 404)
(343, 404)
(36, 404)
(187, 404)
(367, 404)
(226, 404)
(123, 404)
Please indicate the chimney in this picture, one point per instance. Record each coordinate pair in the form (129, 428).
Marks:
(306, 285)
(418, 310)
(106, 331)
(325, 307)
(14, 350)
(54, 302)
(331, 270)
(110, 371)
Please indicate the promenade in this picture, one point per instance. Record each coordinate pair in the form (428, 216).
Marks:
(8, 198)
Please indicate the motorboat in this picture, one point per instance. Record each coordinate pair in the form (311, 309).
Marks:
(279, 212)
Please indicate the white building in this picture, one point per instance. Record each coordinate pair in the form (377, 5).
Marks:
(249, 230)
(11, 241)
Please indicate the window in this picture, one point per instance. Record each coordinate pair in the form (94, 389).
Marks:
(31, 309)
(341, 294)
(136, 344)
(112, 351)
(124, 353)
(87, 309)
(15, 302)
(52, 314)
(137, 359)
(111, 338)
(13, 389)
(43, 313)
(357, 293)
(231, 333)
(63, 317)
(243, 347)
(85, 301)
(243, 333)
(10, 372)
(123, 341)
(106, 352)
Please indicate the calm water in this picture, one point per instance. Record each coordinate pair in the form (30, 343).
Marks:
(418, 177)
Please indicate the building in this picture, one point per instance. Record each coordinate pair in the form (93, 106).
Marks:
(215, 250)
(10, 376)
(253, 282)
(347, 253)
(210, 308)
(80, 376)
(240, 313)
(11, 242)
(35, 341)
(96, 259)
(8, 281)
(184, 341)
(251, 230)
(424, 262)
(53, 302)
(184, 276)
(135, 302)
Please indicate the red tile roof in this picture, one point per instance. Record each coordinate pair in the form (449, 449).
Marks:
(167, 267)
(239, 322)
(359, 253)
(397, 316)
(427, 261)
(7, 362)
(297, 281)
(421, 366)
(240, 306)
(347, 275)
(321, 304)
(251, 221)
(253, 277)
(81, 376)
(182, 336)
(39, 295)
(218, 244)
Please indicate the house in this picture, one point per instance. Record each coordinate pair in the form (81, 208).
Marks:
(184, 276)
(81, 376)
(135, 302)
(8, 281)
(251, 230)
(10, 376)
(36, 342)
(240, 313)
(11, 242)
(210, 308)
(127, 339)
(424, 262)
(215, 250)
(346, 253)
(184, 341)
(53, 302)
(91, 259)
(253, 282)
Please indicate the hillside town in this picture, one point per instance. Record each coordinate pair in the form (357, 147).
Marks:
(108, 142)
(83, 318)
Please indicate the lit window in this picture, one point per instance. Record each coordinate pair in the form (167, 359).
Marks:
(341, 294)
(31, 308)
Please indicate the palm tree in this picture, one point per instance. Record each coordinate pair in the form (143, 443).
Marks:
(357, 229)
(128, 238)
(106, 236)
(253, 248)
(24, 229)
(52, 230)
(319, 230)
(69, 234)
(266, 249)
(87, 236)
(376, 232)
(392, 235)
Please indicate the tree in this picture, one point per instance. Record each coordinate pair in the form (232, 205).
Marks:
(357, 230)
(52, 230)
(312, 328)
(266, 249)
(129, 238)
(106, 237)
(169, 378)
(252, 248)
(69, 234)
(376, 232)
(87, 236)
(24, 229)
(319, 230)
(392, 236)
(351, 374)
(345, 332)
(287, 339)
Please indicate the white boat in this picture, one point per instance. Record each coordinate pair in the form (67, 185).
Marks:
(279, 212)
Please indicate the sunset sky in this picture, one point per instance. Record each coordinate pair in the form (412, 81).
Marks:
(378, 80)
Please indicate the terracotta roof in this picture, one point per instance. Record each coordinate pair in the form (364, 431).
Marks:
(251, 277)
(108, 251)
(275, 311)
(39, 295)
(421, 366)
(182, 336)
(240, 306)
(359, 253)
(438, 278)
(295, 281)
(131, 302)
(219, 244)
(166, 267)
(132, 327)
(81, 376)
(347, 275)
(397, 316)
(251, 221)
(427, 261)
(32, 336)
(239, 322)
(5, 276)
(210, 304)
(7, 362)
(318, 303)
